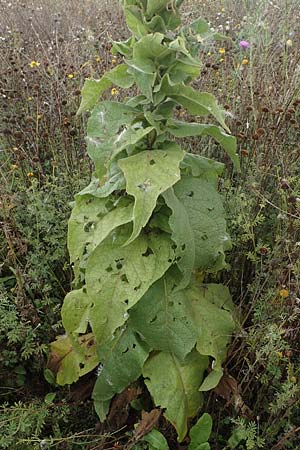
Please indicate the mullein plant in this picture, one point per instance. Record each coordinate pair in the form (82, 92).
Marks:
(150, 228)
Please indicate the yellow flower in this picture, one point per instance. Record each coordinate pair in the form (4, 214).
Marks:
(39, 116)
(221, 59)
(245, 62)
(14, 166)
(114, 91)
(114, 60)
(284, 293)
(97, 58)
(289, 43)
(222, 51)
(34, 64)
(208, 54)
(30, 174)
(70, 75)
(222, 9)
(30, 99)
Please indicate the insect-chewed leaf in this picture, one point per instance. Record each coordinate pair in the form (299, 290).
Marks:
(70, 361)
(163, 319)
(212, 313)
(175, 386)
(148, 174)
(117, 277)
(197, 103)
(182, 235)
(122, 359)
(183, 129)
(206, 216)
(91, 222)
(199, 166)
(85, 214)
(104, 132)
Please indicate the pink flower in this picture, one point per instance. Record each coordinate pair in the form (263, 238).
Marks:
(244, 44)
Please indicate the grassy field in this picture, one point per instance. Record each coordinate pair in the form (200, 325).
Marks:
(47, 49)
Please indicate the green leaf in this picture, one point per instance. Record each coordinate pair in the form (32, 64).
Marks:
(197, 103)
(182, 235)
(156, 440)
(101, 408)
(155, 6)
(85, 214)
(228, 142)
(211, 309)
(75, 312)
(205, 213)
(104, 130)
(163, 319)
(117, 277)
(71, 361)
(199, 166)
(113, 181)
(148, 174)
(200, 432)
(174, 386)
(93, 89)
(134, 21)
(122, 359)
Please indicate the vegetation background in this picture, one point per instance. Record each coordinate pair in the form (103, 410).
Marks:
(47, 49)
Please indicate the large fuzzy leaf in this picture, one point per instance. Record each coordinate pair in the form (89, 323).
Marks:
(196, 103)
(182, 235)
(162, 318)
(183, 129)
(212, 313)
(174, 386)
(93, 89)
(107, 134)
(122, 359)
(117, 277)
(206, 216)
(148, 174)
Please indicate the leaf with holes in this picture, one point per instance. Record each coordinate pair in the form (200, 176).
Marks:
(174, 386)
(70, 361)
(212, 313)
(163, 319)
(206, 216)
(182, 235)
(117, 277)
(148, 174)
(122, 359)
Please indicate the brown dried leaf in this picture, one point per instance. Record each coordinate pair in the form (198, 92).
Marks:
(148, 422)
(119, 406)
(229, 389)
